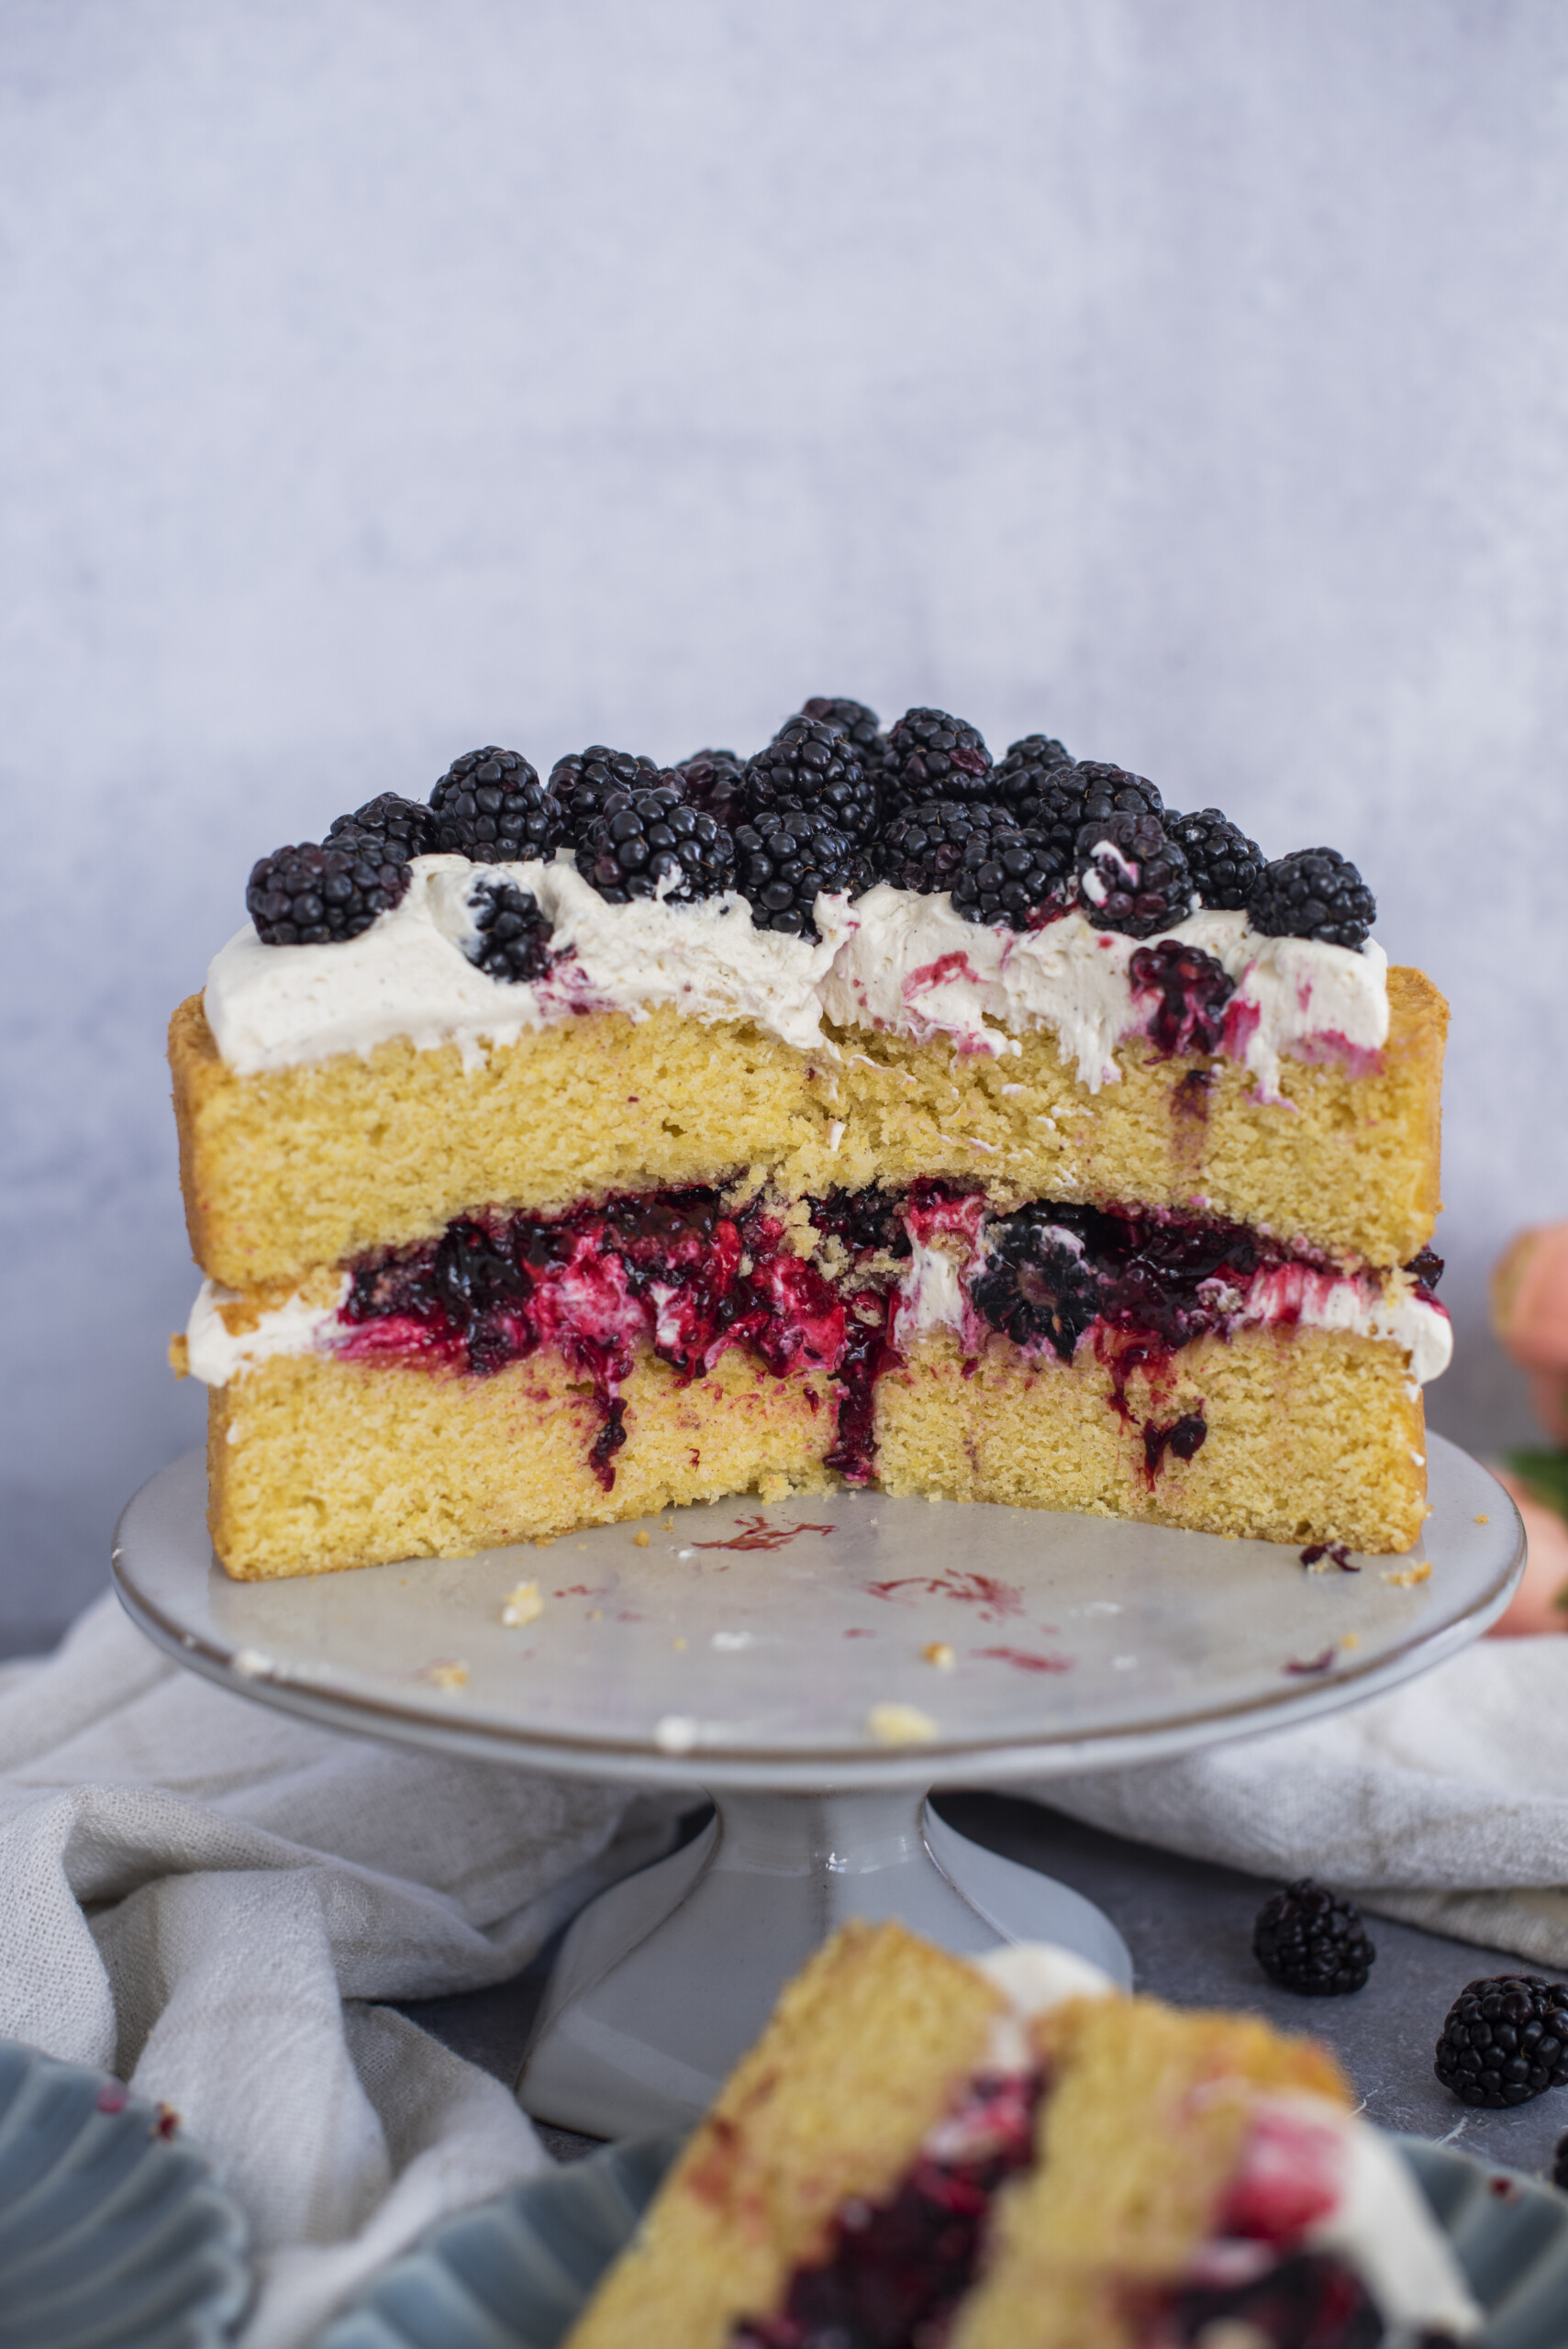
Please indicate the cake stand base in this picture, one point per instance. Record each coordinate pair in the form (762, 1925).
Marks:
(622, 2047)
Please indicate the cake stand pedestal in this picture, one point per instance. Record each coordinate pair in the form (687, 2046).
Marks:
(815, 1666)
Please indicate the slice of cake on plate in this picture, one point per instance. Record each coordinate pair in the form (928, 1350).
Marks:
(864, 1114)
(1005, 2154)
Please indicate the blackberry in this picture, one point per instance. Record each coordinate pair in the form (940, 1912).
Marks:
(1131, 877)
(1505, 2040)
(932, 756)
(406, 826)
(647, 837)
(868, 1222)
(310, 894)
(859, 725)
(714, 780)
(491, 806)
(1113, 791)
(1012, 879)
(1225, 864)
(1314, 893)
(808, 765)
(1052, 805)
(784, 860)
(512, 933)
(1426, 1268)
(1038, 1284)
(1031, 765)
(584, 781)
(1310, 1941)
(926, 845)
(1192, 989)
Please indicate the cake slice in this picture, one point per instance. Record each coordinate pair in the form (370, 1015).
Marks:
(867, 1115)
(1007, 2154)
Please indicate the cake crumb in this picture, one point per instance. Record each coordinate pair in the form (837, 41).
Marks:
(641, 1541)
(180, 1354)
(677, 1643)
(938, 1653)
(1406, 1578)
(544, 1541)
(1351, 1639)
(1482, 1517)
(448, 1675)
(524, 1605)
(596, 1614)
(900, 1725)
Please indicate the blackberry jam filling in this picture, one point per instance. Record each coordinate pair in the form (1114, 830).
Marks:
(894, 2272)
(1306, 2302)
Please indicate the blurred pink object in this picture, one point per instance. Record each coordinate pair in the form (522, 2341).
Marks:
(1529, 1313)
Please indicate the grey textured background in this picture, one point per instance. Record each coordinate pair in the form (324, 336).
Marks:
(1191, 379)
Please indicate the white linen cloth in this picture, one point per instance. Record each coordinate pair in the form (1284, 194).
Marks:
(1444, 1804)
(206, 1896)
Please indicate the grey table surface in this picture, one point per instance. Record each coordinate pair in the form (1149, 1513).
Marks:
(1188, 1925)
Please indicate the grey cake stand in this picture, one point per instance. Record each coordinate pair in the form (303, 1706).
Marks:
(815, 1666)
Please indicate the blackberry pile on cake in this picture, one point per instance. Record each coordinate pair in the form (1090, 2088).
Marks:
(1007, 2155)
(862, 1112)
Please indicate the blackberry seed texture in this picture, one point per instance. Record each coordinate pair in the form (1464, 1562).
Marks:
(933, 756)
(1011, 878)
(584, 780)
(491, 806)
(714, 780)
(311, 894)
(656, 844)
(1505, 2040)
(926, 845)
(512, 931)
(1314, 893)
(858, 724)
(1113, 791)
(785, 861)
(1225, 864)
(406, 826)
(1131, 877)
(810, 765)
(1310, 1940)
(1040, 1283)
(1050, 801)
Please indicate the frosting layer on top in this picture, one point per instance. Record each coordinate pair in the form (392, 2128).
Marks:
(892, 959)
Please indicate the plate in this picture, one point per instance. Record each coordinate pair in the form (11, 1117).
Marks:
(791, 1645)
(516, 2273)
(112, 2234)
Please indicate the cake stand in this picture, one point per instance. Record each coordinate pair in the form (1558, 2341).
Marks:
(815, 1666)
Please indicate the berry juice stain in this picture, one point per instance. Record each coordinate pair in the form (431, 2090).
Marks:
(994, 1599)
(1022, 1660)
(756, 1533)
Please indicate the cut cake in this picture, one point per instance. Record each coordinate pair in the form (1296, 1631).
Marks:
(866, 1114)
(1004, 2154)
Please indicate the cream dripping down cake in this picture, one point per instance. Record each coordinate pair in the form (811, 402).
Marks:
(864, 1113)
(1005, 2154)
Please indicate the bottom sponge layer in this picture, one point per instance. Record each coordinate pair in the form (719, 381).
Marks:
(1286, 1435)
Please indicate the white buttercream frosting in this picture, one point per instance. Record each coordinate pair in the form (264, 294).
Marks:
(893, 960)
(294, 1327)
(273, 1007)
(1380, 2226)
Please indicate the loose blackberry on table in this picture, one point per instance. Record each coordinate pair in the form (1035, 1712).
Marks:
(512, 932)
(1505, 2040)
(786, 860)
(811, 765)
(1131, 877)
(933, 756)
(584, 780)
(1225, 864)
(491, 806)
(1313, 893)
(1311, 1941)
(656, 844)
(310, 894)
